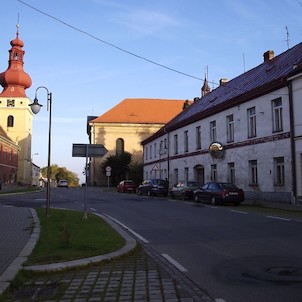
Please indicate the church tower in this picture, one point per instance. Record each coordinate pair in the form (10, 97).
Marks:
(15, 112)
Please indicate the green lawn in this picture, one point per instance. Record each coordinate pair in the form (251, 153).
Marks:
(65, 235)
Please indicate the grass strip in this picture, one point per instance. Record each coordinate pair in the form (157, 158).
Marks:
(65, 235)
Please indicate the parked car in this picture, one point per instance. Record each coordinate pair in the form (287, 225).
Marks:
(126, 186)
(184, 189)
(219, 192)
(62, 183)
(153, 186)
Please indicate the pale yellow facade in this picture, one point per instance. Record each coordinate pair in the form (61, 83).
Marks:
(16, 120)
(108, 134)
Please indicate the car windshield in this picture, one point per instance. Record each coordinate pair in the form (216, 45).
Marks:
(159, 181)
(227, 185)
(192, 184)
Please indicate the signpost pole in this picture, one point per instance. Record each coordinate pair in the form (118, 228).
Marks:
(85, 200)
(88, 150)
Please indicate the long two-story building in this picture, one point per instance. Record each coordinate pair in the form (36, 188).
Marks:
(248, 131)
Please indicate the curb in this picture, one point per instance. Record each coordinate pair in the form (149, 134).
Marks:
(130, 245)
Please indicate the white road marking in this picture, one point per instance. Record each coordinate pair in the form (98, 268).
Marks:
(175, 263)
(128, 229)
(93, 209)
(279, 218)
(240, 212)
(219, 300)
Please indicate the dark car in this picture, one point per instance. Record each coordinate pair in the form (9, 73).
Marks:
(153, 186)
(219, 192)
(126, 186)
(184, 189)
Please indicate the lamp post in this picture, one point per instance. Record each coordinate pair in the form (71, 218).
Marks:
(35, 108)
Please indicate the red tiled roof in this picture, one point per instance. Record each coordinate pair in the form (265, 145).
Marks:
(142, 111)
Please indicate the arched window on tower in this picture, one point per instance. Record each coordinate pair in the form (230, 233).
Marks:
(119, 146)
(10, 121)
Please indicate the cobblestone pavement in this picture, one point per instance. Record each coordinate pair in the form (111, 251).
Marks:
(136, 277)
(15, 226)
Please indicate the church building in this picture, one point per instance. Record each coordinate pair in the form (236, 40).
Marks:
(15, 112)
(123, 127)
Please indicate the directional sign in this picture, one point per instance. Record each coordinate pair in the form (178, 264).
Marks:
(88, 150)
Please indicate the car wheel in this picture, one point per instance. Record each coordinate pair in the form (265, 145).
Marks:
(213, 200)
(196, 199)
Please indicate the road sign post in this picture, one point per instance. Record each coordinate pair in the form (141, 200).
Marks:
(108, 174)
(87, 150)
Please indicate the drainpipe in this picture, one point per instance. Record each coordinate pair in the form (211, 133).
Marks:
(292, 142)
(168, 154)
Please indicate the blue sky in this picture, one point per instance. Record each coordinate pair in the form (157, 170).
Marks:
(67, 49)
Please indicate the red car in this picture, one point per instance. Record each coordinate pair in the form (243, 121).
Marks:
(219, 192)
(126, 186)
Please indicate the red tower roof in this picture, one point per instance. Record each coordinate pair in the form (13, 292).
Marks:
(15, 80)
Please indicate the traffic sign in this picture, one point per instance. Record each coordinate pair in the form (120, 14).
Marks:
(88, 150)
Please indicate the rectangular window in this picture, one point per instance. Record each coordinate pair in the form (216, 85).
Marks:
(155, 151)
(213, 131)
(150, 151)
(161, 151)
(251, 118)
(253, 173)
(175, 144)
(175, 176)
(198, 137)
(165, 143)
(230, 128)
(231, 173)
(277, 115)
(279, 174)
(186, 173)
(186, 141)
(146, 150)
(214, 172)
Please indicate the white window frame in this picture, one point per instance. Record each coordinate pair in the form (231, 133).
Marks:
(279, 171)
(230, 128)
(213, 131)
(277, 113)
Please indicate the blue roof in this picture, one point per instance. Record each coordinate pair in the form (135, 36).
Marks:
(262, 79)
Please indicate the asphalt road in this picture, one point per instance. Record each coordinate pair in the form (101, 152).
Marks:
(233, 254)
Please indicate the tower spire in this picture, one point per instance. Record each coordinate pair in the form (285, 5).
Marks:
(15, 80)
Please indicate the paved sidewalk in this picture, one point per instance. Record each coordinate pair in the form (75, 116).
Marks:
(15, 234)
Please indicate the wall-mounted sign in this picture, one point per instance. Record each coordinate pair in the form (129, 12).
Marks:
(217, 150)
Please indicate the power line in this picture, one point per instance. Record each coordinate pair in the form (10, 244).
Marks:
(108, 43)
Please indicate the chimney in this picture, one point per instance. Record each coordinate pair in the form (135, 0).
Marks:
(223, 81)
(268, 55)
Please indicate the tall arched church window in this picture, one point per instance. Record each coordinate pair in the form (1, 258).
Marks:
(10, 121)
(119, 146)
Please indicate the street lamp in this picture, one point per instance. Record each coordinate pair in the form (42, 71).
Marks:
(35, 108)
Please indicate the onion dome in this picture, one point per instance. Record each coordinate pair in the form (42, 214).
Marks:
(15, 80)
